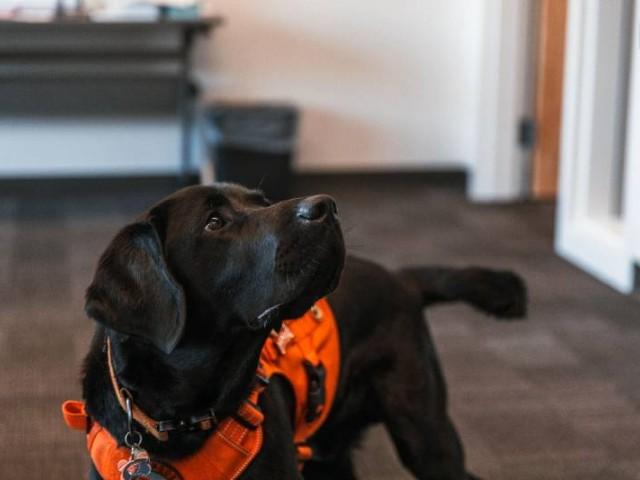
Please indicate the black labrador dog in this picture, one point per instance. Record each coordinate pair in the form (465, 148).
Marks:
(189, 292)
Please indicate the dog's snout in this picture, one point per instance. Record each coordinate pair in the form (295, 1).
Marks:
(316, 208)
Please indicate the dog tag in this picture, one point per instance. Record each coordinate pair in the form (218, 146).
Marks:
(138, 467)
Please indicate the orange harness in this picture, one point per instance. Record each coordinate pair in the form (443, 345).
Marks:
(306, 352)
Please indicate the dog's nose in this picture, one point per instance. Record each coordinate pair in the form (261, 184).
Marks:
(316, 208)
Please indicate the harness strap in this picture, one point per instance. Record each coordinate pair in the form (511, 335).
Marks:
(306, 353)
(75, 415)
(224, 456)
(304, 453)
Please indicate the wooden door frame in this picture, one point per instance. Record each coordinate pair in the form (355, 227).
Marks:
(548, 97)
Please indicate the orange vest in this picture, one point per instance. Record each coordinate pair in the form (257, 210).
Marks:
(306, 352)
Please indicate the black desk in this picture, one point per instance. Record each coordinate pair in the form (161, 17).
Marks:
(101, 50)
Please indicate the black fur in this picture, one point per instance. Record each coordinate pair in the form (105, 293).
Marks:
(185, 307)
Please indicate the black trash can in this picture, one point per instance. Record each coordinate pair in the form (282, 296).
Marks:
(253, 144)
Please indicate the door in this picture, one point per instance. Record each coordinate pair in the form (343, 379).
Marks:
(598, 198)
(632, 167)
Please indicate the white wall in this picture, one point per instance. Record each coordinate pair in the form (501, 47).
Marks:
(382, 85)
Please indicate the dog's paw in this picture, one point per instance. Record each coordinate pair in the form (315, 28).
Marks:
(502, 294)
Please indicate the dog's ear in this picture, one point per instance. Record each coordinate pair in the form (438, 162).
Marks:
(133, 291)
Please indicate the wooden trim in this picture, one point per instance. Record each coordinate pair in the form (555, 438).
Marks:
(551, 40)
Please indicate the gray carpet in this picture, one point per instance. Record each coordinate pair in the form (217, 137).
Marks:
(555, 397)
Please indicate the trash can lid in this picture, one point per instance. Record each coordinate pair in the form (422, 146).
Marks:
(252, 121)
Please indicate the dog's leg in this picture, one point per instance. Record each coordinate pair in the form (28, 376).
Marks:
(341, 468)
(428, 447)
(411, 396)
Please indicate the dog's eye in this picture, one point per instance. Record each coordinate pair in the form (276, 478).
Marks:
(215, 222)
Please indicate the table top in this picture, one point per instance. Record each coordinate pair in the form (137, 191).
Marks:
(202, 24)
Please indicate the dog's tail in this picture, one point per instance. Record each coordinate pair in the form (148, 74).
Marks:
(500, 293)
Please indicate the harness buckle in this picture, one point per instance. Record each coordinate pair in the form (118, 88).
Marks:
(316, 393)
(205, 421)
(262, 379)
(165, 426)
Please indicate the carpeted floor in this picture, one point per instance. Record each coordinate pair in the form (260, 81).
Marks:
(555, 397)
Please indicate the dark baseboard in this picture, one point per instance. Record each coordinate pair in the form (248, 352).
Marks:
(113, 184)
(636, 286)
(454, 178)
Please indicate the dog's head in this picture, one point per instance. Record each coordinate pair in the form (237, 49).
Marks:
(217, 259)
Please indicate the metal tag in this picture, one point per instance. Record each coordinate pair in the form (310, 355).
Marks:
(138, 467)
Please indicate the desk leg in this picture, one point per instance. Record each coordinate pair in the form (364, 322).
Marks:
(186, 97)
